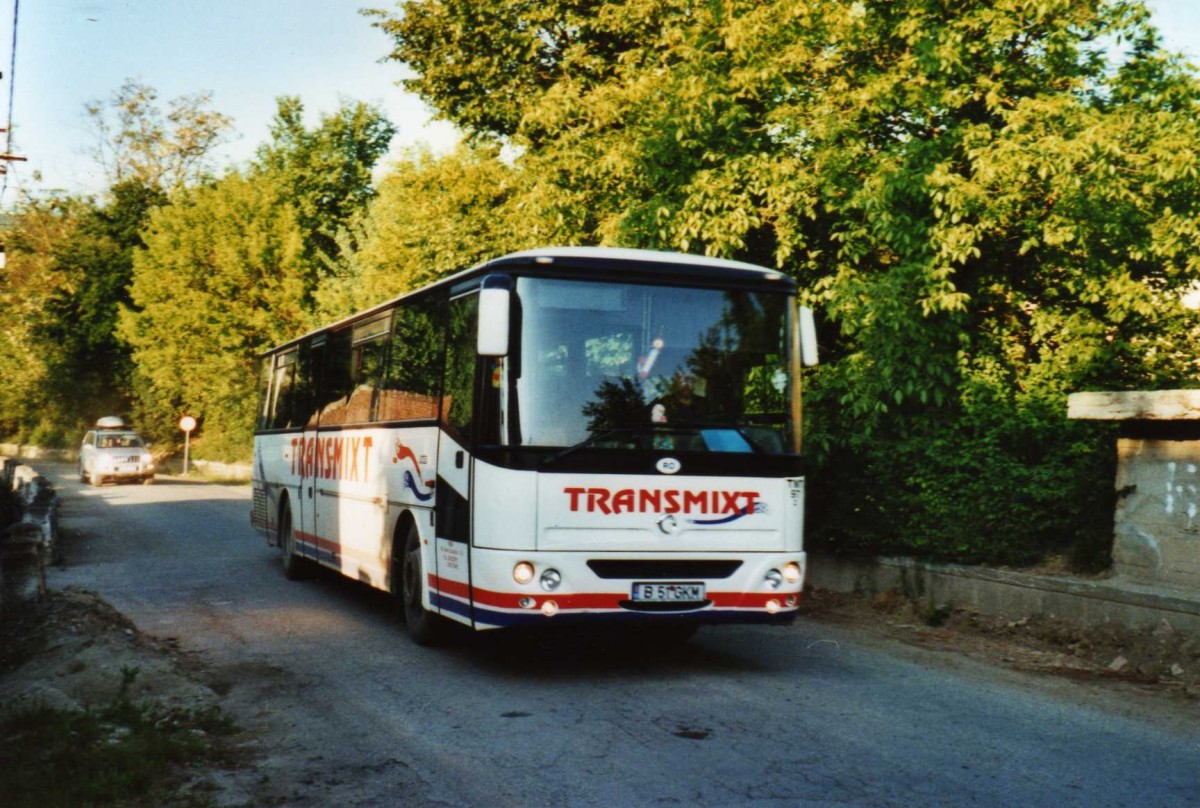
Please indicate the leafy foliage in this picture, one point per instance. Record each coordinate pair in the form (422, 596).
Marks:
(993, 203)
(222, 277)
(326, 169)
(137, 142)
(990, 201)
(433, 216)
(68, 277)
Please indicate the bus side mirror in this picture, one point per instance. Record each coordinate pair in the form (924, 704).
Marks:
(494, 307)
(808, 337)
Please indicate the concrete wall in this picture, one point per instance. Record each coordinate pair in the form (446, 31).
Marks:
(29, 452)
(1011, 593)
(1156, 529)
(28, 531)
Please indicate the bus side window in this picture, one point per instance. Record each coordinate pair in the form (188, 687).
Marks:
(335, 381)
(411, 379)
(265, 375)
(281, 409)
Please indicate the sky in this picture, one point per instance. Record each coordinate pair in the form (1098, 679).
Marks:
(246, 53)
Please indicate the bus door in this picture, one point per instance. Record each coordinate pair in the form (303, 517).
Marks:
(312, 360)
(351, 496)
(451, 561)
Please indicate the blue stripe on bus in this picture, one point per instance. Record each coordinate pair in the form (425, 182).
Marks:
(535, 618)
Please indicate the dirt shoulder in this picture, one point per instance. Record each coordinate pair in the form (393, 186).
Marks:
(73, 656)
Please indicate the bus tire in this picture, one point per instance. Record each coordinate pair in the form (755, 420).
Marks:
(425, 627)
(295, 567)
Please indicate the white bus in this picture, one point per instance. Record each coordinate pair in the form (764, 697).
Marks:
(558, 435)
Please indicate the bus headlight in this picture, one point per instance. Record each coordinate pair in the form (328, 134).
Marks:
(774, 579)
(792, 572)
(523, 572)
(551, 579)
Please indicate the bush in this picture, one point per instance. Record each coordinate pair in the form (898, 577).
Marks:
(52, 435)
(999, 482)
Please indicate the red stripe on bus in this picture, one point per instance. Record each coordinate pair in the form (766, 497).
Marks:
(589, 600)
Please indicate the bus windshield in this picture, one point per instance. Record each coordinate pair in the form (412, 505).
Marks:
(606, 365)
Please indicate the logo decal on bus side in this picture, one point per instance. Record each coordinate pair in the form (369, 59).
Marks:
(410, 480)
(668, 465)
(758, 507)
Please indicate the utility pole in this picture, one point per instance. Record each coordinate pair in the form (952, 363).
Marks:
(5, 159)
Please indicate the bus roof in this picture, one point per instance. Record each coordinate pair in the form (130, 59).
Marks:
(628, 263)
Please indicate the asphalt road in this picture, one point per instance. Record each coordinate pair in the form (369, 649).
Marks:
(352, 713)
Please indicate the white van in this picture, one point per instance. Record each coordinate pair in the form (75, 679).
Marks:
(113, 451)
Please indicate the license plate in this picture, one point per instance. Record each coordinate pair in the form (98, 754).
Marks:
(667, 592)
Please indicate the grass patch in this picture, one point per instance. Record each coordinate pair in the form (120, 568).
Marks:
(121, 751)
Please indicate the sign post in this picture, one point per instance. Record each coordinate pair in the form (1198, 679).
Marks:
(187, 423)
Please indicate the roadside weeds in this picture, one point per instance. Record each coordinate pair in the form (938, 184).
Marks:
(93, 712)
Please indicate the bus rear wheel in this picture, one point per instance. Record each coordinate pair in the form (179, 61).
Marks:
(425, 627)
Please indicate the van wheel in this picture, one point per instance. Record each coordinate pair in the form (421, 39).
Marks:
(83, 478)
(295, 567)
(425, 627)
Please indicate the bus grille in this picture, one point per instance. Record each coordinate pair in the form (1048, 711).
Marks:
(666, 570)
(258, 509)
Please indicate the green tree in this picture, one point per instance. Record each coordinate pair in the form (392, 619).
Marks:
(326, 169)
(994, 202)
(433, 216)
(70, 265)
(222, 277)
(139, 142)
(35, 233)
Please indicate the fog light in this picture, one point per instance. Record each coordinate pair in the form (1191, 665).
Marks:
(549, 608)
(527, 603)
(523, 572)
(551, 579)
(792, 572)
(774, 579)
(773, 606)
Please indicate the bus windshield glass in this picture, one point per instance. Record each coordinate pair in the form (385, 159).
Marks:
(608, 365)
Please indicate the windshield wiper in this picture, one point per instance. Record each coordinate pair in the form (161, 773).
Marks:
(595, 437)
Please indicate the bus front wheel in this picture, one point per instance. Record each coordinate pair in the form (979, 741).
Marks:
(425, 627)
(295, 568)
